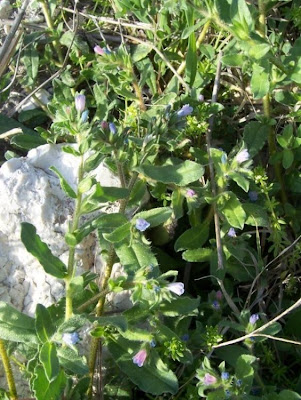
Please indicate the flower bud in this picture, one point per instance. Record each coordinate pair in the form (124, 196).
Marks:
(80, 102)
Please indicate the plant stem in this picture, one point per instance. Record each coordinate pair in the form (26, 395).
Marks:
(50, 25)
(71, 258)
(104, 286)
(267, 108)
(199, 41)
(8, 372)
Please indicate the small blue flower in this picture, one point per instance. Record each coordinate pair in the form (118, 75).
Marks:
(238, 382)
(112, 128)
(201, 98)
(70, 338)
(216, 305)
(185, 337)
(227, 393)
(232, 233)
(225, 376)
(253, 319)
(142, 224)
(153, 343)
(224, 158)
(184, 111)
(84, 116)
(253, 196)
(157, 289)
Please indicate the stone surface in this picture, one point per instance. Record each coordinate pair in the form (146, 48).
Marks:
(30, 192)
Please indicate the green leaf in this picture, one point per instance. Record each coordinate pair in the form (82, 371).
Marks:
(259, 50)
(72, 362)
(234, 59)
(45, 390)
(177, 200)
(244, 370)
(27, 142)
(34, 245)
(119, 234)
(15, 326)
(64, 184)
(118, 321)
(136, 256)
(180, 306)
(180, 174)
(101, 195)
(106, 223)
(240, 180)
(44, 325)
(192, 238)
(138, 335)
(191, 60)
(31, 62)
(289, 395)
(256, 215)
(140, 52)
(288, 158)
(255, 136)
(260, 84)
(197, 255)
(49, 360)
(231, 208)
(155, 216)
(154, 377)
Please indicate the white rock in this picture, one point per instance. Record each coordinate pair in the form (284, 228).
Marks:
(30, 192)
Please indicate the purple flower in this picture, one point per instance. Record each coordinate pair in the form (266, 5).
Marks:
(139, 358)
(85, 115)
(219, 295)
(112, 128)
(80, 102)
(253, 319)
(253, 196)
(185, 110)
(209, 379)
(201, 98)
(185, 337)
(99, 50)
(104, 125)
(216, 305)
(70, 338)
(225, 376)
(176, 287)
(232, 232)
(242, 156)
(190, 193)
(142, 224)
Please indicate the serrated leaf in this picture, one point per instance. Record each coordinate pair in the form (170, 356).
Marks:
(34, 245)
(64, 184)
(180, 174)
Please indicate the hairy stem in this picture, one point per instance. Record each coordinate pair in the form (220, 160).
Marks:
(267, 109)
(50, 25)
(71, 258)
(104, 287)
(8, 372)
